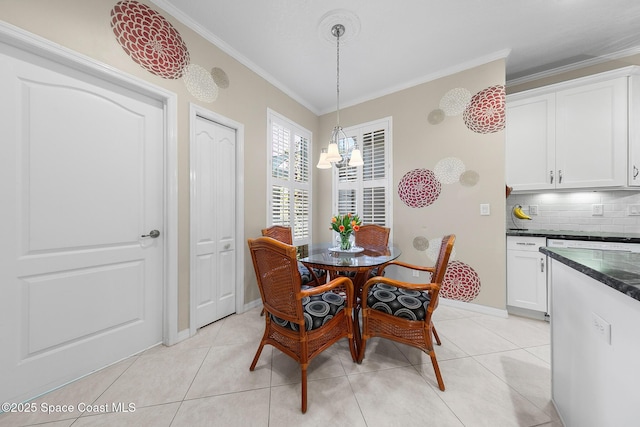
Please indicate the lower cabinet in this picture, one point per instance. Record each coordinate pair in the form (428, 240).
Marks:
(526, 274)
(594, 351)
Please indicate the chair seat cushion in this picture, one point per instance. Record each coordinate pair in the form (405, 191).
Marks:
(306, 276)
(317, 310)
(352, 274)
(404, 303)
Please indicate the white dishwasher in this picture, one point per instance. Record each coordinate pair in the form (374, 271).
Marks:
(527, 276)
(590, 244)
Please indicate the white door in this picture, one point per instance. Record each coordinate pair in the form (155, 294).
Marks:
(213, 220)
(81, 179)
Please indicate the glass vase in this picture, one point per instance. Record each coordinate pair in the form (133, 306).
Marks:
(345, 241)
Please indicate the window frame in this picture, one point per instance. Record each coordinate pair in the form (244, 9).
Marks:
(357, 131)
(274, 118)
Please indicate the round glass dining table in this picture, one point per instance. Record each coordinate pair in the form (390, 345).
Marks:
(357, 263)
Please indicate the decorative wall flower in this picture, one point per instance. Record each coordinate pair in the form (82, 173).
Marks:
(461, 282)
(149, 39)
(419, 188)
(486, 111)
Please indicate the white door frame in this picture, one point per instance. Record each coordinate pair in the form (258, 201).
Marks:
(196, 111)
(37, 45)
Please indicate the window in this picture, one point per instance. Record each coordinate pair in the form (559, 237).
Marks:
(289, 178)
(366, 190)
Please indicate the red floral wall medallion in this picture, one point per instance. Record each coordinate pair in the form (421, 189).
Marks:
(461, 282)
(149, 39)
(486, 111)
(419, 188)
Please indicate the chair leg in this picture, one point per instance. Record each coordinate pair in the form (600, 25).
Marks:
(363, 345)
(257, 356)
(304, 387)
(436, 368)
(435, 335)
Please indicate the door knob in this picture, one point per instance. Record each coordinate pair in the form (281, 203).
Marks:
(153, 234)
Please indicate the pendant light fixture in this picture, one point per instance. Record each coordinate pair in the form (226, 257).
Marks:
(332, 155)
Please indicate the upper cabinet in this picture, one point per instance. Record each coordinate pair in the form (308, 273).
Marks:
(634, 131)
(571, 135)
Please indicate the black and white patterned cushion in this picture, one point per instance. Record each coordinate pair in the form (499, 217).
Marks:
(404, 303)
(317, 310)
(306, 276)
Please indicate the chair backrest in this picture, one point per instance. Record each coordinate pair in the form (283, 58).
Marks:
(372, 235)
(278, 279)
(280, 233)
(443, 258)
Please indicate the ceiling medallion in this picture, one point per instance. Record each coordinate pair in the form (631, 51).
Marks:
(348, 19)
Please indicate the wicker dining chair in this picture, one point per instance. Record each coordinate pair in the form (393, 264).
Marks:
(369, 236)
(299, 322)
(402, 311)
(280, 233)
(310, 277)
(372, 236)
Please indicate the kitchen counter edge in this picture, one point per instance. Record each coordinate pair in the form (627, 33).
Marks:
(571, 258)
(577, 235)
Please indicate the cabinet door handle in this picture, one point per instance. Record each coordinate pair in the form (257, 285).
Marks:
(635, 172)
(551, 177)
(560, 176)
(542, 265)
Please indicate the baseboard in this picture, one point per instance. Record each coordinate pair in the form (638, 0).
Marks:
(251, 305)
(475, 307)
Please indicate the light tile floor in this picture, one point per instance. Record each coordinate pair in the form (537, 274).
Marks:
(496, 372)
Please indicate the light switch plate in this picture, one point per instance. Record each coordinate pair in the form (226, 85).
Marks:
(602, 328)
(533, 209)
(597, 209)
(485, 209)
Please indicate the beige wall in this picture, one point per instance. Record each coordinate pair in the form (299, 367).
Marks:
(417, 144)
(84, 26)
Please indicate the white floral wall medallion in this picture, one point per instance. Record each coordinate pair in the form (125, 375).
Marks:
(448, 170)
(433, 249)
(199, 83)
(454, 102)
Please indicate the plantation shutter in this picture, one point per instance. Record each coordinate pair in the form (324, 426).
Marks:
(289, 182)
(366, 190)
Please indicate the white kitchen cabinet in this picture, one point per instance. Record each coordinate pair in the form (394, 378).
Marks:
(569, 135)
(634, 131)
(531, 142)
(526, 273)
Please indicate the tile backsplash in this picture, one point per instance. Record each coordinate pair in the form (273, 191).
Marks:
(575, 211)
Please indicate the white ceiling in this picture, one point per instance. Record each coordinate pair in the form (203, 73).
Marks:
(401, 43)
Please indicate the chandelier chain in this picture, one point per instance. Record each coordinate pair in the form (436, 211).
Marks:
(337, 31)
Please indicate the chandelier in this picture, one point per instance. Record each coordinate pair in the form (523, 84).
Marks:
(331, 154)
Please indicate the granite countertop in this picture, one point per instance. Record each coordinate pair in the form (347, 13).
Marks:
(577, 235)
(617, 269)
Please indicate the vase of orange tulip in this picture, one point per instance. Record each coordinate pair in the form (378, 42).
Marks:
(345, 226)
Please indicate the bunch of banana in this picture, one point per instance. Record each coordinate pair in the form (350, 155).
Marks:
(519, 213)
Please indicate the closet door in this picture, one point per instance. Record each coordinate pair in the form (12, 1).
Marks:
(213, 220)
